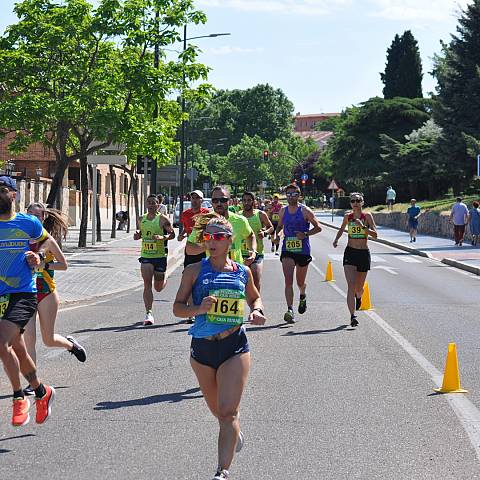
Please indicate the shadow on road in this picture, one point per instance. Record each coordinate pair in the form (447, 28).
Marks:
(269, 327)
(140, 402)
(315, 332)
(26, 435)
(126, 328)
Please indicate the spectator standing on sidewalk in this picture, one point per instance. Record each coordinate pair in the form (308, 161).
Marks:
(474, 221)
(391, 196)
(162, 208)
(413, 213)
(459, 217)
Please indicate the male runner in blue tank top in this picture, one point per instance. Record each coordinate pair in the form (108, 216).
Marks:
(295, 220)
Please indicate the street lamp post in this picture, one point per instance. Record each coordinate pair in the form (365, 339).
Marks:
(184, 123)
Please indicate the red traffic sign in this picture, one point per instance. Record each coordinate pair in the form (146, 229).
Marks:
(333, 185)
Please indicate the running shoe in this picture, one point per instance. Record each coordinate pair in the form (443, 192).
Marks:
(358, 302)
(289, 316)
(149, 320)
(240, 442)
(28, 391)
(353, 321)
(44, 405)
(77, 350)
(20, 415)
(302, 306)
(221, 475)
(276, 253)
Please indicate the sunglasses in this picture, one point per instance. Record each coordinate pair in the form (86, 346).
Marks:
(216, 236)
(220, 200)
(292, 194)
(355, 200)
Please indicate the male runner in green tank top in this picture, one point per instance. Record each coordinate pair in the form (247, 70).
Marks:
(262, 227)
(155, 231)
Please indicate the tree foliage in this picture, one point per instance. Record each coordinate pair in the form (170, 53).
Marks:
(355, 150)
(72, 73)
(457, 109)
(403, 71)
(231, 114)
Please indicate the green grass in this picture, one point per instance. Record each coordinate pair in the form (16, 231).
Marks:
(438, 206)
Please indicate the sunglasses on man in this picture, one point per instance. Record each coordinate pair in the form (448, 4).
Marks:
(292, 194)
(217, 236)
(356, 200)
(220, 200)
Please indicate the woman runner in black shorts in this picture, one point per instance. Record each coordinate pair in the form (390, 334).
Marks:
(356, 259)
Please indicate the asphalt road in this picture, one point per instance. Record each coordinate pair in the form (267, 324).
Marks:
(324, 401)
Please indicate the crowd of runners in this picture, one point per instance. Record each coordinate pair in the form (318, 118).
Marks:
(219, 291)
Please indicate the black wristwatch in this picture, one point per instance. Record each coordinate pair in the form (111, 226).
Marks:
(258, 309)
(41, 255)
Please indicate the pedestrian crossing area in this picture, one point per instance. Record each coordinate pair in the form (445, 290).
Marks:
(378, 258)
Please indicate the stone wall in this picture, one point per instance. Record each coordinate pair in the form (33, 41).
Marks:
(429, 223)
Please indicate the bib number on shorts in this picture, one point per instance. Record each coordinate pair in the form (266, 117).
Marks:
(275, 217)
(228, 309)
(4, 299)
(150, 246)
(293, 244)
(356, 231)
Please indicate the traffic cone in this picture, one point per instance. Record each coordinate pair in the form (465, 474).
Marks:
(366, 302)
(451, 377)
(329, 273)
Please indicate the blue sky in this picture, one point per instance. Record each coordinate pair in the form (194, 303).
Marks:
(324, 54)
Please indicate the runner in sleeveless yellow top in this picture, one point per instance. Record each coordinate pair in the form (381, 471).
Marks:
(262, 227)
(241, 230)
(155, 231)
(356, 260)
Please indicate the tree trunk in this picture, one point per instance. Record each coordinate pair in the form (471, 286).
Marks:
(135, 200)
(99, 220)
(129, 195)
(113, 191)
(82, 238)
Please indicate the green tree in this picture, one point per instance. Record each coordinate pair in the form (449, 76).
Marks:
(72, 74)
(355, 149)
(403, 71)
(416, 162)
(329, 124)
(457, 110)
(261, 110)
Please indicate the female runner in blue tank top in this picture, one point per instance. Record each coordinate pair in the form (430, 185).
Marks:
(295, 220)
(220, 355)
(356, 259)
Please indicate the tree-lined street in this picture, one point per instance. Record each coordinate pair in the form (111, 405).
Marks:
(323, 400)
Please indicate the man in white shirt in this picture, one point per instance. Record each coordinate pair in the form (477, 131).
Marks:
(162, 209)
(459, 217)
(391, 196)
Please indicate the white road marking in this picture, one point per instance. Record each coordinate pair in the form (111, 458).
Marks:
(466, 411)
(408, 259)
(387, 269)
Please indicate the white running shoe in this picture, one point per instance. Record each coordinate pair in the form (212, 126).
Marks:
(221, 475)
(149, 320)
(240, 442)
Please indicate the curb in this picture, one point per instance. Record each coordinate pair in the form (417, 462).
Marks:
(175, 260)
(447, 261)
(461, 265)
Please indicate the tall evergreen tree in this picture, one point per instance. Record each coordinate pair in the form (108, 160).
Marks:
(458, 108)
(403, 71)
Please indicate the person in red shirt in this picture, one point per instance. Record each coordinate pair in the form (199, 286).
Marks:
(187, 220)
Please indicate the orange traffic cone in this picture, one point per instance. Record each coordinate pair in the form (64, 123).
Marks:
(329, 273)
(451, 377)
(366, 302)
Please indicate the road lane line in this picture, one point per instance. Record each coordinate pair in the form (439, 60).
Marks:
(407, 259)
(466, 411)
(387, 269)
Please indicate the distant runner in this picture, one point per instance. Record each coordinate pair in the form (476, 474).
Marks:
(274, 214)
(155, 231)
(295, 220)
(356, 259)
(262, 227)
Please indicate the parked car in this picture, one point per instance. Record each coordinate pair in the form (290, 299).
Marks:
(186, 205)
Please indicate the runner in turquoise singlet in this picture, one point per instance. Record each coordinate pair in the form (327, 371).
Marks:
(220, 355)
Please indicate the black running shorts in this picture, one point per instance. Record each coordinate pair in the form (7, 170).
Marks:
(358, 257)
(21, 308)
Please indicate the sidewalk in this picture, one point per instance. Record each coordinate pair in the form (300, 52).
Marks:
(106, 268)
(442, 249)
